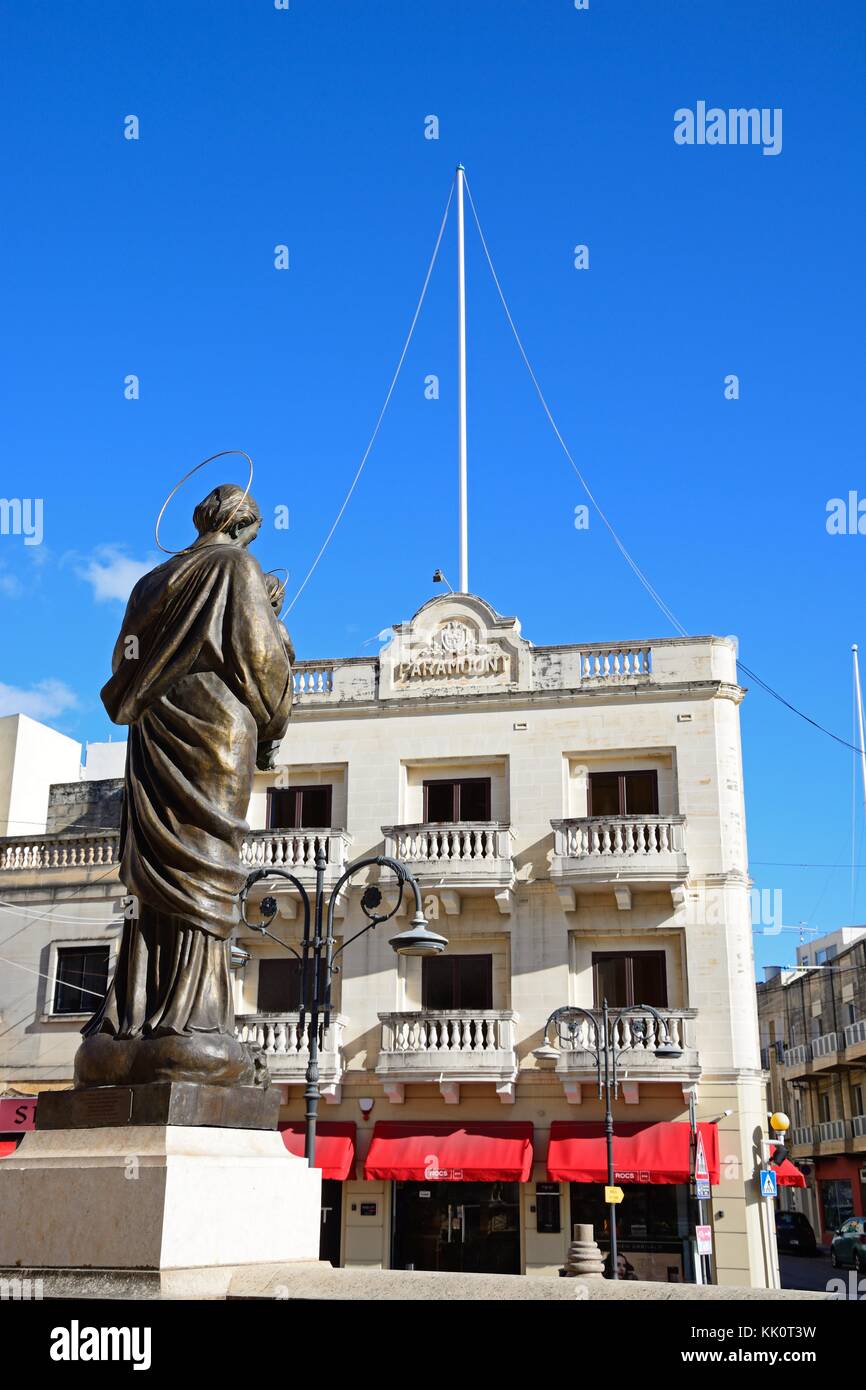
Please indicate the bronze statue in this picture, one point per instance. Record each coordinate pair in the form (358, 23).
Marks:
(202, 677)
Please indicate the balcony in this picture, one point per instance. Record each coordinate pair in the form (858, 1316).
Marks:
(640, 1035)
(618, 852)
(295, 851)
(70, 851)
(797, 1060)
(448, 1047)
(464, 857)
(855, 1040)
(858, 1132)
(287, 1050)
(825, 1050)
(802, 1139)
(832, 1134)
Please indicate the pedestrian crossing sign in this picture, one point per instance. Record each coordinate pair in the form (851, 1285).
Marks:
(769, 1183)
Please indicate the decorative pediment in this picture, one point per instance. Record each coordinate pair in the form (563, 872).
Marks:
(455, 644)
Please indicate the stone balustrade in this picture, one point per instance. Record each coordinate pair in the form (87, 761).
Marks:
(634, 1036)
(76, 850)
(855, 1033)
(470, 856)
(618, 664)
(637, 1031)
(86, 849)
(630, 851)
(858, 1126)
(593, 665)
(448, 1046)
(286, 1045)
(802, 1137)
(295, 849)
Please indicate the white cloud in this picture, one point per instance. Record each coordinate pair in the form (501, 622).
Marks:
(112, 574)
(45, 700)
(10, 585)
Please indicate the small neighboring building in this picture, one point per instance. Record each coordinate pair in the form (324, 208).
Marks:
(812, 1021)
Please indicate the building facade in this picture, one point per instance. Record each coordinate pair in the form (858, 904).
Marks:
(813, 1038)
(574, 816)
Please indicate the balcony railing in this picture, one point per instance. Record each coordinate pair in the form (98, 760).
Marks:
(855, 1033)
(825, 1046)
(462, 856)
(639, 1035)
(286, 1045)
(802, 1137)
(831, 1131)
(858, 1126)
(448, 1046)
(798, 1056)
(295, 849)
(620, 664)
(633, 850)
(83, 849)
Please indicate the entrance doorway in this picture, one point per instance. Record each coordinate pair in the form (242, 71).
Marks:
(332, 1204)
(460, 1227)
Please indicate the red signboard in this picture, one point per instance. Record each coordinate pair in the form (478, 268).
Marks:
(16, 1115)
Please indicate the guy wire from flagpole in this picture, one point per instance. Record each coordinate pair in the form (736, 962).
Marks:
(222, 454)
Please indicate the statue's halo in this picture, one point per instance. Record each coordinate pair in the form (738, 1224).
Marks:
(222, 454)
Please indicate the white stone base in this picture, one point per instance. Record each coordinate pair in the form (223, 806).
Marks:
(156, 1198)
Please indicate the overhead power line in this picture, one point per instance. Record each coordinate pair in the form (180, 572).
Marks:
(630, 561)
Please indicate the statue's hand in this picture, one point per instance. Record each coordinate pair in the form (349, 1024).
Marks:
(266, 755)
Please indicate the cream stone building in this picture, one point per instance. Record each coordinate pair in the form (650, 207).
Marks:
(574, 816)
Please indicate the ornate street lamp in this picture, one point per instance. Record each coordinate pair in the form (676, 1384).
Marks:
(606, 1055)
(318, 957)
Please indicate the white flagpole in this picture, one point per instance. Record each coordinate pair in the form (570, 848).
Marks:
(461, 390)
(858, 696)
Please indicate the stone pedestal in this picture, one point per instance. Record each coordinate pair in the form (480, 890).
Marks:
(151, 1199)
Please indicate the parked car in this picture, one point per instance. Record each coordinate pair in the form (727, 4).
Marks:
(794, 1233)
(848, 1246)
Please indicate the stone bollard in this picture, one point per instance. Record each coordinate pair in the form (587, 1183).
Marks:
(584, 1256)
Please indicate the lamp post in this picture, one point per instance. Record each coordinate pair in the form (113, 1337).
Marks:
(317, 954)
(606, 1056)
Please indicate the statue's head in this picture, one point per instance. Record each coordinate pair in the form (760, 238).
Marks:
(226, 512)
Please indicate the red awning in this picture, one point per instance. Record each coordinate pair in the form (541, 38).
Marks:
(443, 1152)
(335, 1146)
(787, 1173)
(7, 1146)
(641, 1152)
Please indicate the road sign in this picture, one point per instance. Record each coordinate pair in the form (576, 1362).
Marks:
(704, 1238)
(769, 1182)
(613, 1195)
(702, 1191)
(702, 1172)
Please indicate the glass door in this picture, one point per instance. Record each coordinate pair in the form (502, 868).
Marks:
(457, 1226)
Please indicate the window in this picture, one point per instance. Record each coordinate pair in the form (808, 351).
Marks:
(81, 979)
(629, 977)
(857, 1100)
(824, 1108)
(299, 808)
(852, 1013)
(837, 1202)
(623, 794)
(457, 800)
(279, 989)
(457, 982)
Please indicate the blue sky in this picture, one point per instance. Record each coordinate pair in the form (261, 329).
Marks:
(306, 127)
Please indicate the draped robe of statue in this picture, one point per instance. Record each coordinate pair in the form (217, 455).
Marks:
(203, 680)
